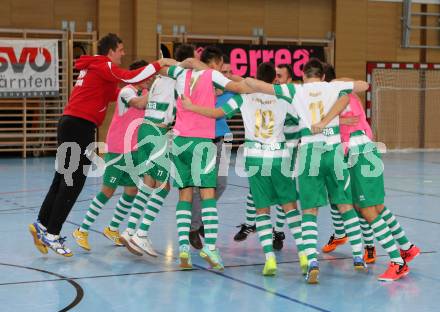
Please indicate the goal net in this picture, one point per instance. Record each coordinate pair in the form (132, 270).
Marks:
(404, 103)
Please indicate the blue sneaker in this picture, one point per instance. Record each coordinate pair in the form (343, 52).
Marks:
(37, 231)
(213, 258)
(312, 276)
(359, 264)
(57, 245)
(185, 258)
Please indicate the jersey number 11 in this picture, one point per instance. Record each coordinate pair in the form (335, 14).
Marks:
(317, 108)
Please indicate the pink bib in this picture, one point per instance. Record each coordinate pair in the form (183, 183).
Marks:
(190, 124)
(356, 109)
(117, 131)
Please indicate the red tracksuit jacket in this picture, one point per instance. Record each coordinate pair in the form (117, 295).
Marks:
(97, 86)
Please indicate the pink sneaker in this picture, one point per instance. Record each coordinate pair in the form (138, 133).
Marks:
(394, 272)
(410, 254)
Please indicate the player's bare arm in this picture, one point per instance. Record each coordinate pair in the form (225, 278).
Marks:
(336, 109)
(139, 102)
(259, 86)
(205, 111)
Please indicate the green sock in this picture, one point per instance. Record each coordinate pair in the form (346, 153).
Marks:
(210, 222)
(264, 231)
(121, 211)
(280, 219)
(251, 212)
(94, 210)
(183, 219)
(153, 207)
(338, 224)
(396, 229)
(353, 230)
(309, 228)
(137, 209)
(293, 218)
(367, 232)
(386, 240)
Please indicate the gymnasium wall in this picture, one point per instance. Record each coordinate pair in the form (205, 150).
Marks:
(364, 30)
(47, 14)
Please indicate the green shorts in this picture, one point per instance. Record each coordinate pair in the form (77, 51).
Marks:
(269, 186)
(367, 183)
(323, 174)
(153, 151)
(194, 161)
(119, 171)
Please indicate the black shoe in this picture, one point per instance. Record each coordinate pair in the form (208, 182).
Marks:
(202, 231)
(278, 238)
(244, 232)
(194, 239)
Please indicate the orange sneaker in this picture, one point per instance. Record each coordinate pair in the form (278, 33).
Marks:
(410, 254)
(394, 272)
(333, 243)
(370, 254)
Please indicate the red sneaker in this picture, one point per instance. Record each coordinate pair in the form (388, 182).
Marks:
(333, 243)
(410, 254)
(394, 272)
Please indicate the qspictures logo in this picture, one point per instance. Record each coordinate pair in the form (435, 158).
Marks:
(28, 68)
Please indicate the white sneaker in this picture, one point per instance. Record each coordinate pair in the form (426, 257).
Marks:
(125, 239)
(144, 243)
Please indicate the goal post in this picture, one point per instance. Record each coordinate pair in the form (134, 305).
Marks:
(403, 104)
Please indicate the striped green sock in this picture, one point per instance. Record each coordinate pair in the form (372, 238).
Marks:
(153, 207)
(183, 219)
(396, 229)
(293, 218)
(210, 222)
(367, 232)
(137, 209)
(309, 228)
(353, 230)
(250, 210)
(280, 219)
(94, 210)
(386, 240)
(121, 211)
(338, 224)
(264, 231)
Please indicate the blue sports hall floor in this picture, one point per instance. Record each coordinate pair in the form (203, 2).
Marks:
(112, 279)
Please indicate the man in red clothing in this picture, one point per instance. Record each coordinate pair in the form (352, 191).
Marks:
(96, 87)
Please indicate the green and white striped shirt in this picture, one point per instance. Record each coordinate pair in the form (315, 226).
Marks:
(313, 101)
(161, 107)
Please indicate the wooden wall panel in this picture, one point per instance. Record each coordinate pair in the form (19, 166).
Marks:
(80, 11)
(145, 12)
(5, 14)
(126, 30)
(351, 43)
(433, 55)
(174, 12)
(209, 17)
(383, 31)
(315, 18)
(47, 14)
(30, 14)
(281, 22)
(108, 17)
(244, 15)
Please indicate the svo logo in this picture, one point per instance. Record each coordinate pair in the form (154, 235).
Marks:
(39, 59)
